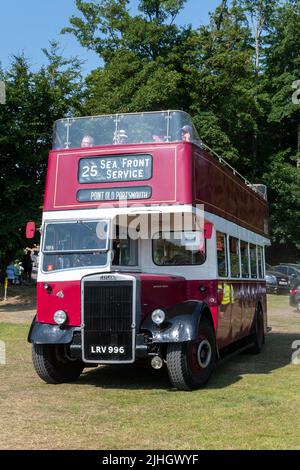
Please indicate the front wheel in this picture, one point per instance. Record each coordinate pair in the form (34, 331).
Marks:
(53, 365)
(191, 364)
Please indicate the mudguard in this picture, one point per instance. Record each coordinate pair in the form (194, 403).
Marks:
(181, 324)
(43, 333)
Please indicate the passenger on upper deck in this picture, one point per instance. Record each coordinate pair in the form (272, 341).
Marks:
(186, 133)
(120, 137)
(158, 138)
(87, 141)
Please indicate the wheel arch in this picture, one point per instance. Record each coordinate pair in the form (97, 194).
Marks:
(181, 324)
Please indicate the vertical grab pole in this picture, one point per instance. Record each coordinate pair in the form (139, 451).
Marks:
(168, 126)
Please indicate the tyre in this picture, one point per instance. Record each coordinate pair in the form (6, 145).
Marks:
(53, 365)
(259, 334)
(191, 364)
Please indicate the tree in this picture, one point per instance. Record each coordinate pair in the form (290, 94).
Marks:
(106, 27)
(282, 70)
(34, 101)
(283, 181)
(222, 85)
(146, 56)
(261, 14)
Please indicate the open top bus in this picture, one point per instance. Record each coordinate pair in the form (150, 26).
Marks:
(152, 248)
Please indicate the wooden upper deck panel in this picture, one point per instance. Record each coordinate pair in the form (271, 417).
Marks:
(149, 174)
(225, 194)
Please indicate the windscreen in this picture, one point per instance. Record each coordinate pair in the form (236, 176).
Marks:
(76, 236)
(131, 128)
(75, 245)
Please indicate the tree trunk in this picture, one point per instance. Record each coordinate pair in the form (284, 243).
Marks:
(298, 144)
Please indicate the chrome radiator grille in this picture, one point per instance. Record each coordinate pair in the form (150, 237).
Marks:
(108, 319)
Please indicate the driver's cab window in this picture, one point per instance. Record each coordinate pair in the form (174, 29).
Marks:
(125, 249)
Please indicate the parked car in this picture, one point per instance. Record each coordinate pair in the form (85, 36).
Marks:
(289, 269)
(277, 283)
(271, 283)
(295, 295)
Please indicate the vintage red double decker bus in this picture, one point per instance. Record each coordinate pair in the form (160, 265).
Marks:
(152, 247)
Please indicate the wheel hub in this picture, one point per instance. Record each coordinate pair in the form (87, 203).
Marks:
(204, 353)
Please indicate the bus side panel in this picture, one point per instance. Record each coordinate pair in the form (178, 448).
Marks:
(226, 195)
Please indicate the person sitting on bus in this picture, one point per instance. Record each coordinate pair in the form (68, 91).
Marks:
(158, 138)
(120, 137)
(87, 141)
(186, 133)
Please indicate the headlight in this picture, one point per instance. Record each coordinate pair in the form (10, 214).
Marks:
(158, 316)
(60, 317)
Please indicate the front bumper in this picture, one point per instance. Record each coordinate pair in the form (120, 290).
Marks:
(71, 336)
(44, 333)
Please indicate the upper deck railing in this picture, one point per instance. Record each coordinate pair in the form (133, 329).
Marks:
(134, 128)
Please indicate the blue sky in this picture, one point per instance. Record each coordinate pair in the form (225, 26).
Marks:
(28, 26)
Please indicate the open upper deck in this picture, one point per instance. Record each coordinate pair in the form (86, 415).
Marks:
(131, 128)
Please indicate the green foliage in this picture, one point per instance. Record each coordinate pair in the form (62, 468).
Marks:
(106, 26)
(34, 102)
(129, 83)
(283, 180)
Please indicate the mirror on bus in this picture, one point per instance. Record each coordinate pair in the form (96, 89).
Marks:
(30, 229)
(208, 228)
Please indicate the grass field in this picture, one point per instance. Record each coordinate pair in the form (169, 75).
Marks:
(252, 402)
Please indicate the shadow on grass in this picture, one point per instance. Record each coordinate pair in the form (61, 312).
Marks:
(276, 354)
(129, 376)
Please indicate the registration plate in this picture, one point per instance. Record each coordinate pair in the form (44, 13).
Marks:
(107, 346)
(282, 283)
(108, 349)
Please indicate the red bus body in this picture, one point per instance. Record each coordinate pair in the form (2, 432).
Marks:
(183, 175)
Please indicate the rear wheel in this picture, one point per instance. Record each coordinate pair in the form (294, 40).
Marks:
(259, 334)
(191, 364)
(53, 365)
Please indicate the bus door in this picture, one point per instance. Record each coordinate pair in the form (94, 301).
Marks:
(225, 292)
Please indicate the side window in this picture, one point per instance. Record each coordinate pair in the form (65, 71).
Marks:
(244, 258)
(281, 269)
(222, 257)
(292, 272)
(234, 257)
(253, 261)
(260, 262)
(177, 248)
